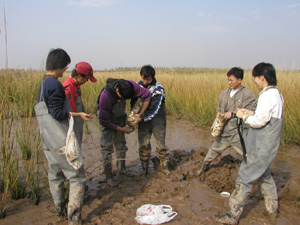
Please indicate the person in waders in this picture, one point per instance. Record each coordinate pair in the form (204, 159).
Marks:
(112, 117)
(262, 144)
(53, 94)
(82, 73)
(236, 96)
(152, 121)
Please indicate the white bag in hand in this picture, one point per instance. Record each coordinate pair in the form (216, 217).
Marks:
(154, 214)
(219, 125)
(72, 149)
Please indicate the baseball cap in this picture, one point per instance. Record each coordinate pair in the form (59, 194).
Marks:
(86, 69)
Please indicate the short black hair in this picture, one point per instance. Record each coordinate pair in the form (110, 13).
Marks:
(57, 59)
(126, 88)
(237, 72)
(267, 70)
(147, 71)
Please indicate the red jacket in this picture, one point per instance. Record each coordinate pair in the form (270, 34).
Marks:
(71, 87)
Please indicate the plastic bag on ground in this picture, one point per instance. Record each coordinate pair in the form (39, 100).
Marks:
(154, 214)
(72, 149)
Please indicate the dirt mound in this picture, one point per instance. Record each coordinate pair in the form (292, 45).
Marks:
(291, 192)
(220, 177)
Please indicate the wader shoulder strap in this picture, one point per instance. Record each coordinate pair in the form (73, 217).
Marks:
(240, 132)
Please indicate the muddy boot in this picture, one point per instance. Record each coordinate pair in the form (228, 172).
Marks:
(61, 210)
(228, 218)
(76, 217)
(164, 167)
(76, 222)
(272, 209)
(111, 181)
(145, 166)
(122, 169)
(203, 168)
(232, 216)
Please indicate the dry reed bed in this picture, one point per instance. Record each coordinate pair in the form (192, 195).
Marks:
(190, 92)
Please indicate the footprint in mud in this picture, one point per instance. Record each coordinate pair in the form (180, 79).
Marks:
(222, 174)
(220, 177)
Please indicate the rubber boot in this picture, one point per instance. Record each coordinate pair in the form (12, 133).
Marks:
(228, 218)
(145, 167)
(122, 169)
(232, 216)
(109, 176)
(203, 168)
(61, 210)
(164, 167)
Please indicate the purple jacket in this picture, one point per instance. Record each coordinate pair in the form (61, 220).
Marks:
(107, 100)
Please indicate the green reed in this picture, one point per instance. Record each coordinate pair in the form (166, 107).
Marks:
(7, 161)
(25, 137)
(33, 172)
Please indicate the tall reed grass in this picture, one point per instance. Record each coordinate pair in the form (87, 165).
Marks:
(191, 93)
(17, 139)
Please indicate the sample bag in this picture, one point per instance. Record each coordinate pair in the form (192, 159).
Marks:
(72, 149)
(219, 124)
(154, 214)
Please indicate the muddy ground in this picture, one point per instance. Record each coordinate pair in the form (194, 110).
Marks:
(196, 199)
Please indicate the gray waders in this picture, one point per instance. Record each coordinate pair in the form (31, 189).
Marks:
(59, 171)
(112, 139)
(157, 127)
(262, 145)
(228, 138)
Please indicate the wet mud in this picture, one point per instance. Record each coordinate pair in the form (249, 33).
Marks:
(196, 199)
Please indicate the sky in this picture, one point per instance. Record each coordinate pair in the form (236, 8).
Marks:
(164, 33)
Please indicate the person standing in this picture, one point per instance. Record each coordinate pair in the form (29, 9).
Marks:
(152, 121)
(82, 73)
(53, 94)
(236, 96)
(262, 144)
(112, 117)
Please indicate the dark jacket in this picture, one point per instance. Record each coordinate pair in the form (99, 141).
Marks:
(54, 97)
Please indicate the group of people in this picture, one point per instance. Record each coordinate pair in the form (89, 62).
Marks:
(258, 145)
(63, 101)
(264, 115)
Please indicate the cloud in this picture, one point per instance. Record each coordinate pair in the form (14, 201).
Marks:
(289, 10)
(287, 6)
(204, 15)
(213, 28)
(292, 13)
(234, 17)
(254, 14)
(90, 3)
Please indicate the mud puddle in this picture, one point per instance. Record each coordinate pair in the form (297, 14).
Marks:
(195, 199)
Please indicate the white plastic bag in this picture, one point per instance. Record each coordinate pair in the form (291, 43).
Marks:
(72, 149)
(154, 214)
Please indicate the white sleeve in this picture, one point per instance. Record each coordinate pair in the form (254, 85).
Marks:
(263, 112)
